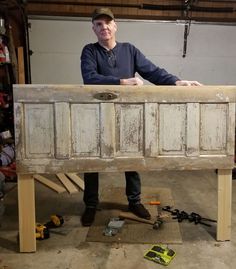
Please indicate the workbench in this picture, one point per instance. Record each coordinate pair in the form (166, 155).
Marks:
(77, 128)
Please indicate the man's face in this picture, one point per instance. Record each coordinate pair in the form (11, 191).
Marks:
(104, 28)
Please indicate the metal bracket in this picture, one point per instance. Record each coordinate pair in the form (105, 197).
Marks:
(105, 96)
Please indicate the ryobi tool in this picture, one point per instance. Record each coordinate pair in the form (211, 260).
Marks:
(160, 254)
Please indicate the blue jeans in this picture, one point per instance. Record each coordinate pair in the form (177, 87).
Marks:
(91, 185)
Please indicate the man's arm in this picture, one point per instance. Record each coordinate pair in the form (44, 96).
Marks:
(157, 75)
(151, 72)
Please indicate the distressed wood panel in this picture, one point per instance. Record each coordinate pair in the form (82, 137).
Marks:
(107, 130)
(213, 131)
(19, 130)
(151, 94)
(151, 129)
(121, 164)
(62, 132)
(39, 131)
(193, 124)
(85, 129)
(172, 129)
(129, 129)
(231, 130)
(147, 124)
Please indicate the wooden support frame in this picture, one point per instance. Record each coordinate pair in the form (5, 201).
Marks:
(26, 206)
(200, 136)
(224, 204)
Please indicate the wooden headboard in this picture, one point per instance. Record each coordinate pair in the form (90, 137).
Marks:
(76, 128)
(99, 128)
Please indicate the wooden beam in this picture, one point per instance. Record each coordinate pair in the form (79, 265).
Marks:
(224, 204)
(161, 10)
(77, 180)
(26, 206)
(21, 66)
(67, 183)
(55, 187)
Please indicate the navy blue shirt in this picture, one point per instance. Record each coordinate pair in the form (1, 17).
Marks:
(100, 66)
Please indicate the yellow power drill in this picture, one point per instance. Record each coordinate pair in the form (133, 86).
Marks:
(55, 222)
(42, 231)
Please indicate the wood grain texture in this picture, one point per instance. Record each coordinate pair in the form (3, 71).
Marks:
(172, 129)
(151, 128)
(21, 65)
(129, 130)
(161, 94)
(193, 125)
(213, 132)
(26, 206)
(85, 121)
(122, 164)
(39, 130)
(224, 204)
(231, 130)
(107, 134)
(62, 131)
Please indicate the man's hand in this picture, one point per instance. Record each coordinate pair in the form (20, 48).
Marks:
(187, 83)
(131, 81)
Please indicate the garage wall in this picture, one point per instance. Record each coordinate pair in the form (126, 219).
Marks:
(210, 59)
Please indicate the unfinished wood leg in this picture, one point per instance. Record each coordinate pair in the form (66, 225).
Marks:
(224, 204)
(26, 205)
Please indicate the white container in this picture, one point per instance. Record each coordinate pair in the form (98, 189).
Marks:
(2, 26)
(7, 55)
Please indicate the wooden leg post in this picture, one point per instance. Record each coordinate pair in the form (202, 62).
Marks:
(26, 204)
(224, 204)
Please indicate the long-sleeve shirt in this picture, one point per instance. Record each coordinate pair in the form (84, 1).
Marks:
(100, 66)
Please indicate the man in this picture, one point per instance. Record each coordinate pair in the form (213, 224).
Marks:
(109, 62)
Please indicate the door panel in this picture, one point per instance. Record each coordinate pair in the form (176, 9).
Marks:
(68, 128)
(85, 130)
(172, 129)
(39, 131)
(129, 129)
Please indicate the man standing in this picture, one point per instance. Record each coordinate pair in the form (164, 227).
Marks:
(108, 62)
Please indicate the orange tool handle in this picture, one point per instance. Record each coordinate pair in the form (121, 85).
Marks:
(154, 203)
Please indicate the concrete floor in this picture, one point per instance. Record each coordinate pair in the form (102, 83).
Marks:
(67, 249)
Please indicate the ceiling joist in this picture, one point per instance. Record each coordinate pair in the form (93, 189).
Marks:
(200, 10)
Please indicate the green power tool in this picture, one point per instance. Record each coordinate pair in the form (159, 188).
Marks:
(160, 254)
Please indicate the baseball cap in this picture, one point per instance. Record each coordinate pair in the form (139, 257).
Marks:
(102, 11)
